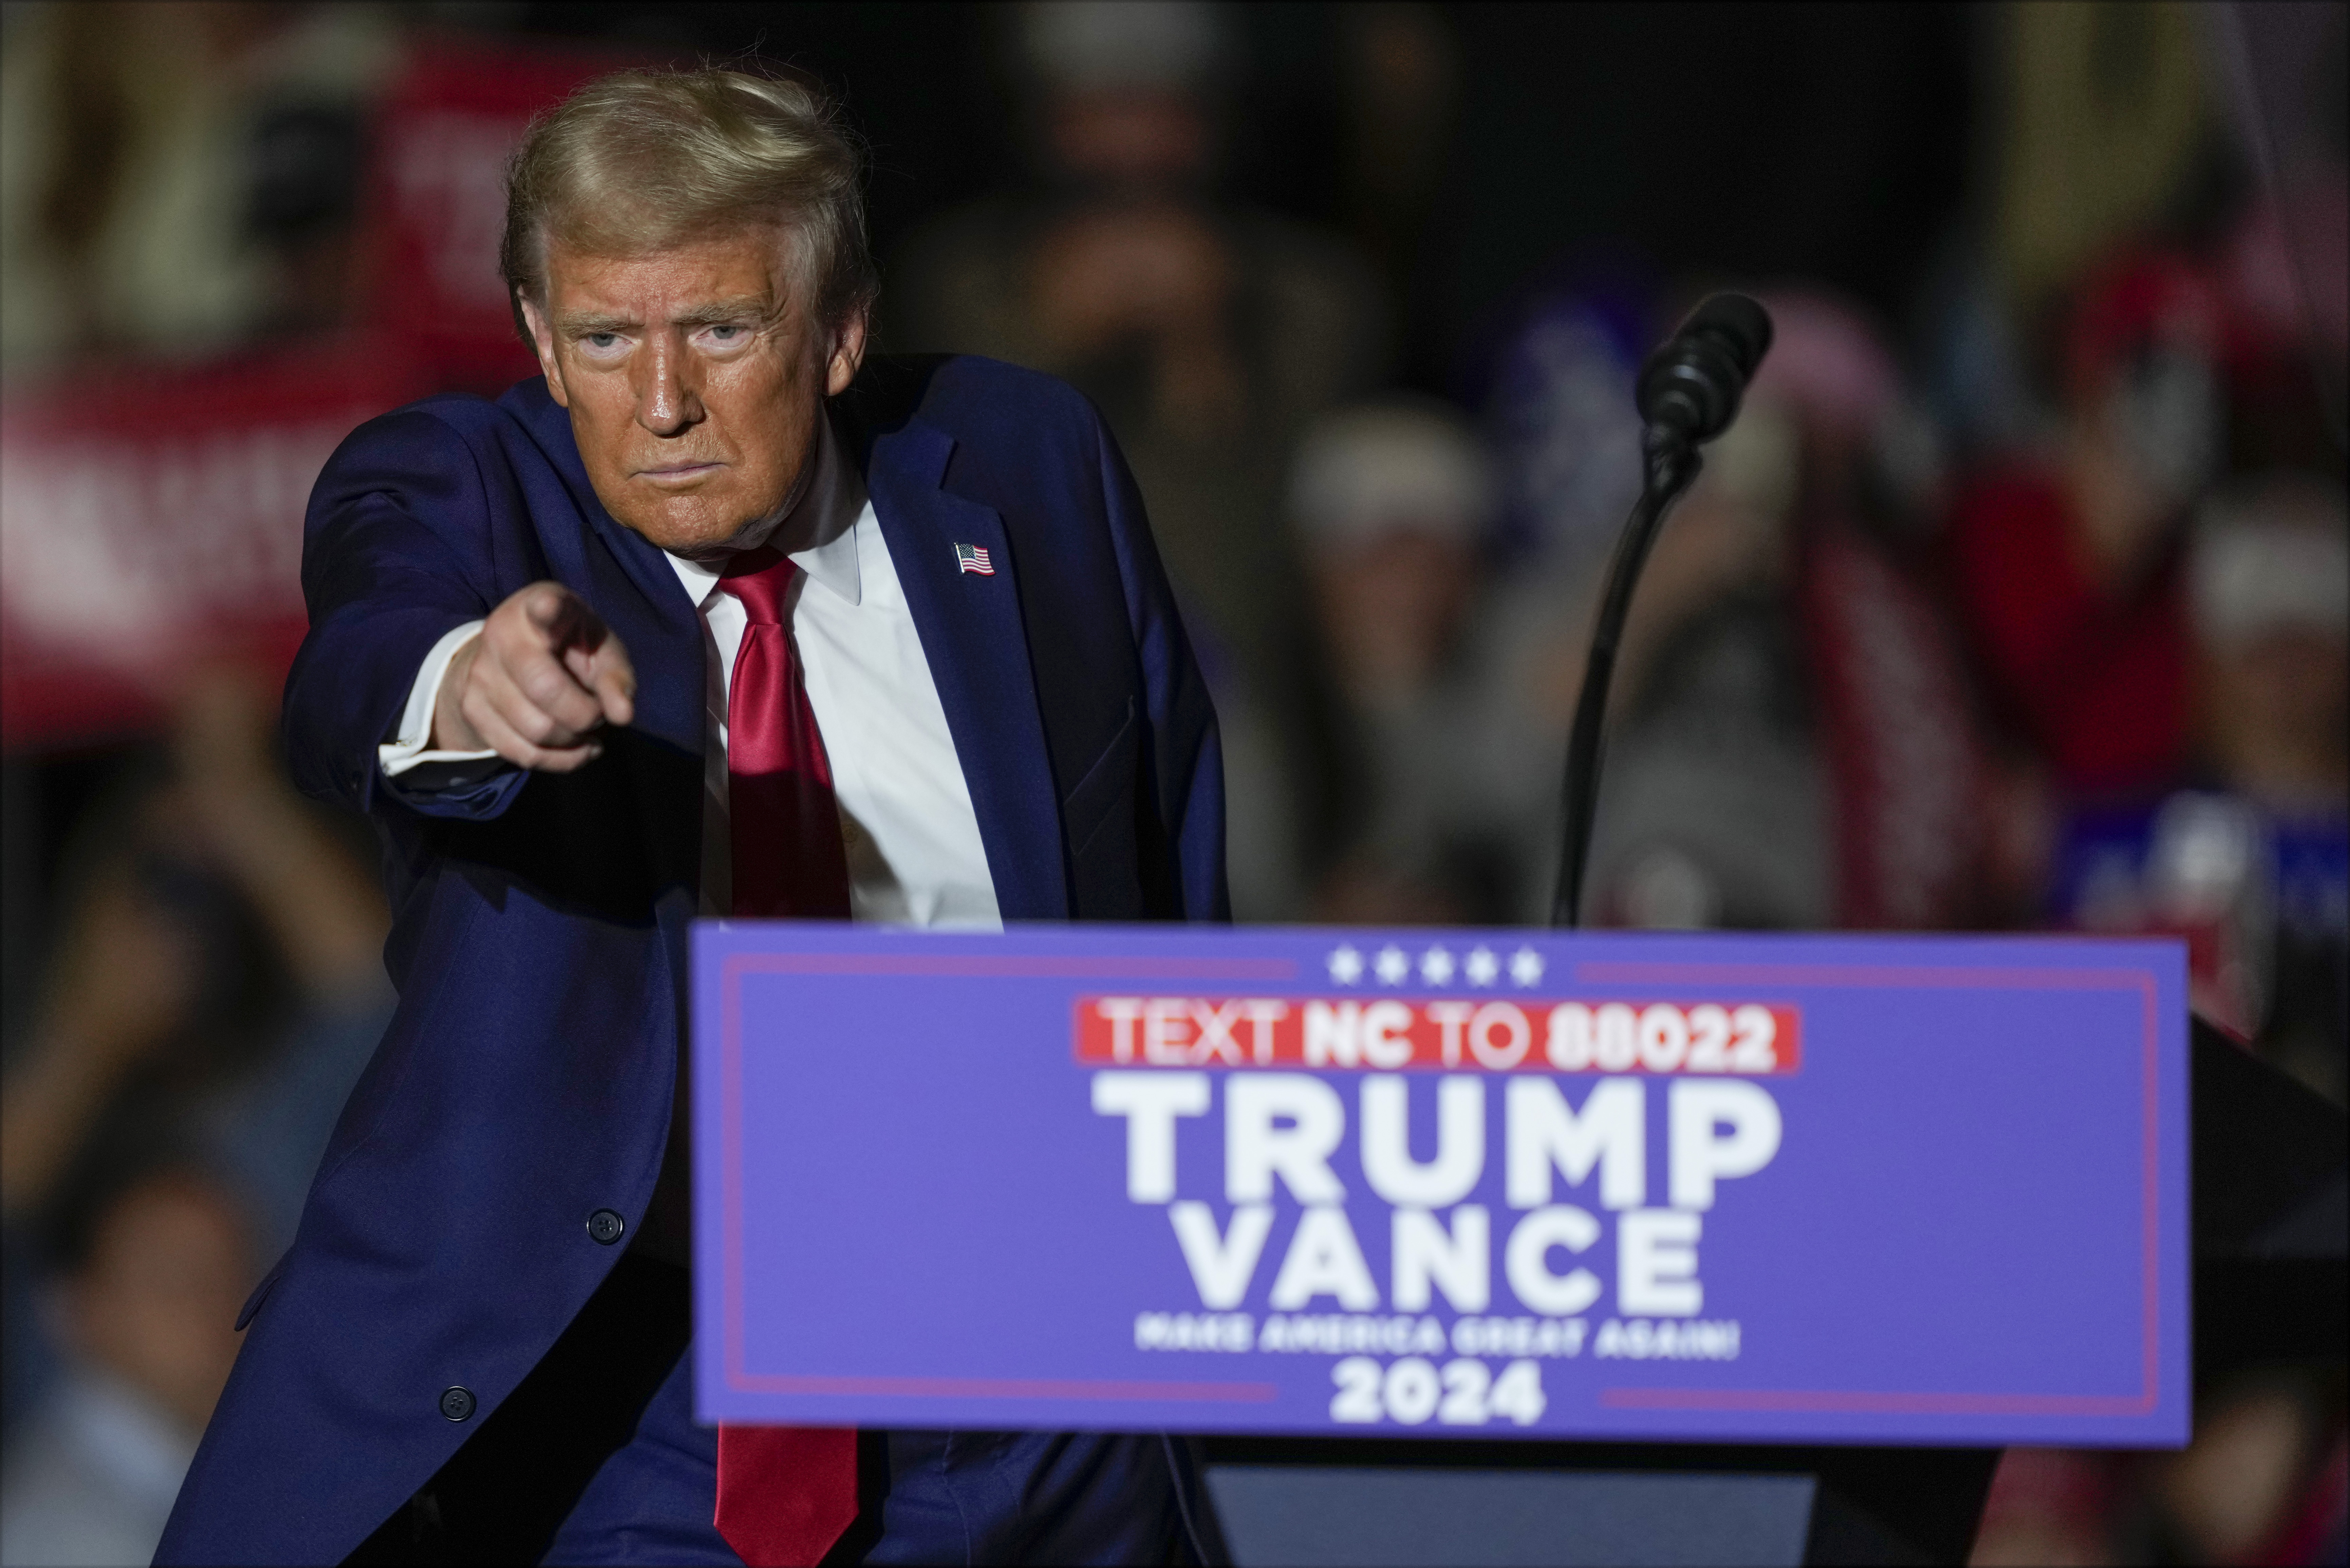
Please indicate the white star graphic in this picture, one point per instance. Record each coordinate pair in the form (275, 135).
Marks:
(1525, 966)
(1482, 966)
(1436, 967)
(1346, 965)
(1392, 964)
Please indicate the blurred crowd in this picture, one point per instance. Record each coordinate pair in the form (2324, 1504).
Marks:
(2018, 598)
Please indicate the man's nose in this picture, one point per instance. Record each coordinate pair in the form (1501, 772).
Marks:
(667, 403)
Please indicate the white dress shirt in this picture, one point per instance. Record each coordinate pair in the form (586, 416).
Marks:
(915, 856)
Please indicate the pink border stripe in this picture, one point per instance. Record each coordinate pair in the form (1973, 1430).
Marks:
(984, 965)
(730, 1053)
(2150, 1183)
(1800, 1400)
(1937, 977)
(1822, 976)
(1860, 977)
(1012, 1388)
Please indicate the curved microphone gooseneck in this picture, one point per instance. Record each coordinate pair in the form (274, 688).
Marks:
(1688, 394)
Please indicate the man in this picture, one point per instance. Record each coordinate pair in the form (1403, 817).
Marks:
(151, 1257)
(705, 621)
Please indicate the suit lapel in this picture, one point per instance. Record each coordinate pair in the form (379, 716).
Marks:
(977, 646)
(662, 628)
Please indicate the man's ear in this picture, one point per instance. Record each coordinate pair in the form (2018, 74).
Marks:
(848, 354)
(542, 338)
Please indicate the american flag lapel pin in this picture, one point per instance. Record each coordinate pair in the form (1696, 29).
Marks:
(973, 559)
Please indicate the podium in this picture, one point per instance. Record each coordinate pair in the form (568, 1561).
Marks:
(2269, 1161)
(1339, 1206)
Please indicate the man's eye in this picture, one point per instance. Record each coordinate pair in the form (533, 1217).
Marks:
(726, 332)
(602, 339)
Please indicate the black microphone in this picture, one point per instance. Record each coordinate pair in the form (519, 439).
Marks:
(1688, 394)
(1691, 384)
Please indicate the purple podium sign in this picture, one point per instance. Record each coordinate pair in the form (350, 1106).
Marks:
(1489, 1184)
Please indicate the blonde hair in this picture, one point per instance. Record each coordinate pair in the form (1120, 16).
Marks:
(638, 161)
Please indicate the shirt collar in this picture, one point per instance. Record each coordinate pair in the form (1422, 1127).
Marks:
(820, 534)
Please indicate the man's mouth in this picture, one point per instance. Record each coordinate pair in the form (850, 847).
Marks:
(675, 474)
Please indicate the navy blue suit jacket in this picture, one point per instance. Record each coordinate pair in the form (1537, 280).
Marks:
(539, 920)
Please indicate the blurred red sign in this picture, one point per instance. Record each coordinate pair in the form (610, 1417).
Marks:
(443, 137)
(151, 518)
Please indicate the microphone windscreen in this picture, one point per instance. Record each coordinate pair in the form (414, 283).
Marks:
(1691, 384)
(1741, 325)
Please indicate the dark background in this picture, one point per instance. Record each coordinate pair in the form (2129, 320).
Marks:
(1824, 141)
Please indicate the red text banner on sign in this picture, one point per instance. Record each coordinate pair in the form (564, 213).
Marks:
(1448, 1034)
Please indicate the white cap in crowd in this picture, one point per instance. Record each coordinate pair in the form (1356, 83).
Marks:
(1081, 46)
(2271, 555)
(1392, 466)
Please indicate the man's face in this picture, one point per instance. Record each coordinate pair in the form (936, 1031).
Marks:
(694, 378)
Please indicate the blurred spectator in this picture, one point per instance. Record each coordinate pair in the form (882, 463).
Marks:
(222, 892)
(177, 178)
(1391, 501)
(2239, 1490)
(2067, 566)
(2251, 863)
(1557, 402)
(93, 1026)
(1207, 333)
(2268, 574)
(2261, 1482)
(149, 1279)
(2105, 126)
(1912, 791)
(2049, 1508)
(217, 984)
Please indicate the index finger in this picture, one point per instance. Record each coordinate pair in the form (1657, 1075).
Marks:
(608, 673)
(568, 621)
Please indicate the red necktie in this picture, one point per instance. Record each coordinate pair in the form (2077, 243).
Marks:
(788, 863)
(784, 1493)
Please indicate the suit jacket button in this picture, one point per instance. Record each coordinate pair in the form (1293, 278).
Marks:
(457, 1403)
(605, 1226)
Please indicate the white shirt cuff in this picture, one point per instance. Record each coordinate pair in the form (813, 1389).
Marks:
(406, 750)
